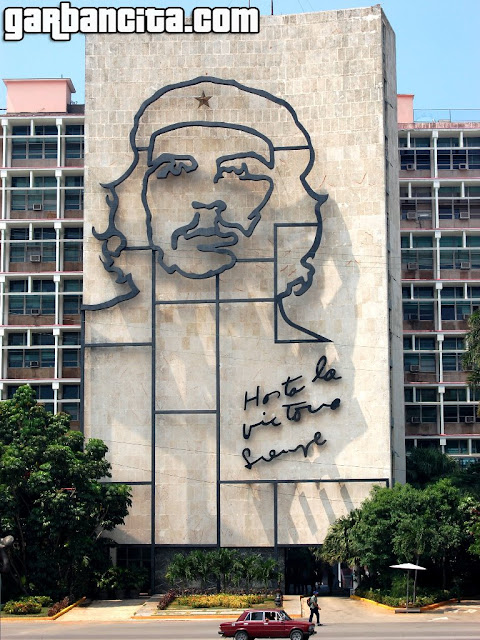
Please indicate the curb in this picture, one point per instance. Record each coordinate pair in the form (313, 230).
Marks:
(376, 604)
(437, 605)
(63, 611)
(425, 609)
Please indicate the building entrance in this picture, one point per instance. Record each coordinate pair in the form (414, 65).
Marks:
(304, 573)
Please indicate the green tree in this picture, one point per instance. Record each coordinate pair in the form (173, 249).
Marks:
(339, 546)
(426, 466)
(201, 565)
(471, 357)
(249, 568)
(51, 497)
(180, 570)
(223, 565)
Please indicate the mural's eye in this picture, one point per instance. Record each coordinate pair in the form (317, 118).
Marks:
(239, 169)
(175, 165)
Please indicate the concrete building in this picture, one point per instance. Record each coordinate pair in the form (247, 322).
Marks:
(440, 220)
(41, 226)
(241, 193)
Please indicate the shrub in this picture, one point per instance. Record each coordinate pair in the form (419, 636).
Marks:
(22, 607)
(59, 606)
(224, 600)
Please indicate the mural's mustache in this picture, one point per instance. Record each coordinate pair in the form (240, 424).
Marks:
(193, 230)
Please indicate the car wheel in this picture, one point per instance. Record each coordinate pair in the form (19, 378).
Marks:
(296, 634)
(241, 635)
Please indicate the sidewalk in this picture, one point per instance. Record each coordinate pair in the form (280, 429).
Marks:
(118, 610)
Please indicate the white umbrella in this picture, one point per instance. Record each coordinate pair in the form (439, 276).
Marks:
(407, 566)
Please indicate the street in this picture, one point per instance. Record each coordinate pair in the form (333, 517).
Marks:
(396, 628)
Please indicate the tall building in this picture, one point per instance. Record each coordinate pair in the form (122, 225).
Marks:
(41, 226)
(440, 229)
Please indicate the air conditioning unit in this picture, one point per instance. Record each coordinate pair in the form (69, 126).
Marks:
(469, 419)
(462, 166)
(35, 312)
(35, 257)
(414, 368)
(464, 265)
(410, 167)
(411, 215)
(34, 364)
(412, 266)
(37, 206)
(464, 215)
(414, 420)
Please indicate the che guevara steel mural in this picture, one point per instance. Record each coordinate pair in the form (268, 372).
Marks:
(200, 236)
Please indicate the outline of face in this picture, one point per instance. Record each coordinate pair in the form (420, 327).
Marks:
(138, 143)
(219, 232)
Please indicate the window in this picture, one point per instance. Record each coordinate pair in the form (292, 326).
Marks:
(475, 446)
(425, 362)
(447, 142)
(21, 130)
(71, 391)
(43, 392)
(71, 305)
(17, 339)
(74, 129)
(407, 343)
(452, 344)
(414, 159)
(450, 241)
(71, 358)
(46, 130)
(28, 357)
(457, 311)
(427, 395)
(71, 337)
(452, 362)
(419, 242)
(425, 344)
(458, 413)
(455, 395)
(73, 251)
(420, 141)
(31, 304)
(72, 408)
(449, 192)
(421, 413)
(43, 339)
(413, 311)
(72, 285)
(452, 292)
(423, 292)
(43, 286)
(451, 159)
(25, 251)
(74, 149)
(473, 292)
(408, 394)
(34, 150)
(456, 446)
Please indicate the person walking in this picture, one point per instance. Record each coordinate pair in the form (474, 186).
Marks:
(314, 608)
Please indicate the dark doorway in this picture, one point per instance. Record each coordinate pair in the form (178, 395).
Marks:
(304, 574)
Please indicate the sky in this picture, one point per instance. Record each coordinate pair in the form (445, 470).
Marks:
(438, 50)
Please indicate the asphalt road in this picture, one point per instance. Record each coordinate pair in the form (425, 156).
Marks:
(396, 628)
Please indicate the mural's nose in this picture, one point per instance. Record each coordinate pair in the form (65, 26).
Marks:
(208, 211)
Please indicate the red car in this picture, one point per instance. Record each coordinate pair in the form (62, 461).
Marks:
(266, 623)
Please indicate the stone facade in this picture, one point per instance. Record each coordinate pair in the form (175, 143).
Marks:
(176, 376)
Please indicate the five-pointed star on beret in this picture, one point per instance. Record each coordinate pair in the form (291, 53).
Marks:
(203, 100)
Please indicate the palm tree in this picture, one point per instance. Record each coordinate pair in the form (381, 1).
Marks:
(267, 571)
(223, 562)
(249, 568)
(201, 565)
(179, 570)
